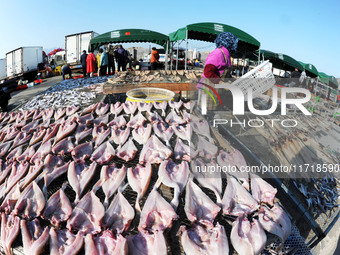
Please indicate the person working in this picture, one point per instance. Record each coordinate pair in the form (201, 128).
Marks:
(302, 79)
(52, 64)
(83, 62)
(154, 59)
(218, 65)
(111, 66)
(66, 70)
(295, 74)
(90, 64)
(104, 61)
(98, 63)
(4, 98)
(218, 62)
(121, 56)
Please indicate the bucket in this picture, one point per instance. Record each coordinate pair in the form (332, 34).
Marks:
(149, 95)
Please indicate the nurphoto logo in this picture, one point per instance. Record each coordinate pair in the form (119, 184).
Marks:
(239, 99)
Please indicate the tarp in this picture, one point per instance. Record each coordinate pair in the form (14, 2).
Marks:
(281, 61)
(209, 31)
(311, 70)
(129, 36)
(55, 51)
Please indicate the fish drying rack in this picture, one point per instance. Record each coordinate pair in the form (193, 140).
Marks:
(313, 227)
(295, 241)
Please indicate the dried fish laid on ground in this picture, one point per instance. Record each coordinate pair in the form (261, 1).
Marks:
(103, 173)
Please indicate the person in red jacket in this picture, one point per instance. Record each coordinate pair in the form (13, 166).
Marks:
(91, 63)
(154, 59)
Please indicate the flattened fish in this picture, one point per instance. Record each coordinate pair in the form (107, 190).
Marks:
(139, 179)
(34, 237)
(87, 215)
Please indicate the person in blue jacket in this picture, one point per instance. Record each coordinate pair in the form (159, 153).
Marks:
(104, 61)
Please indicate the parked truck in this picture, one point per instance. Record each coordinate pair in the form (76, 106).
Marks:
(74, 46)
(23, 62)
(3, 74)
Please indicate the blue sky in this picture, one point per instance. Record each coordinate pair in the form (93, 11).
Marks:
(307, 30)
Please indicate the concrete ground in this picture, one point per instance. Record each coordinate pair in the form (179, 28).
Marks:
(20, 96)
(331, 243)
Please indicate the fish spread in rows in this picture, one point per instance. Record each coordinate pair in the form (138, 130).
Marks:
(104, 149)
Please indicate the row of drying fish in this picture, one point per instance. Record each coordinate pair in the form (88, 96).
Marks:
(59, 99)
(79, 174)
(17, 129)
(88, 216)
(296, 146)
(155, 76)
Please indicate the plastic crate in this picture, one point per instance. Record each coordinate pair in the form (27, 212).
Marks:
(260, 79)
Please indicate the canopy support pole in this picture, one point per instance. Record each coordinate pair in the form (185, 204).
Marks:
(177, 55)
(244, 62)
(316, 84)
(166, 55)
(186, 50)
(329, 92)
(171, 56)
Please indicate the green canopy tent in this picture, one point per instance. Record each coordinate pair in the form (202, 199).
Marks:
(208, 32)
(324, 78)
(131, 36)
(333, 82)
(311, 70)
(281, 61)
(330, 81)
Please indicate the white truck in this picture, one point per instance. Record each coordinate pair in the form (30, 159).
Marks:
(23, 61)
(74, 46)
(3, 74)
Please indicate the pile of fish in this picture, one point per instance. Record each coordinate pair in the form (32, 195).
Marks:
(40, 147)
(67, 93)
(76, 83)
(322, 195)
(58, 99)
(155, 76)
